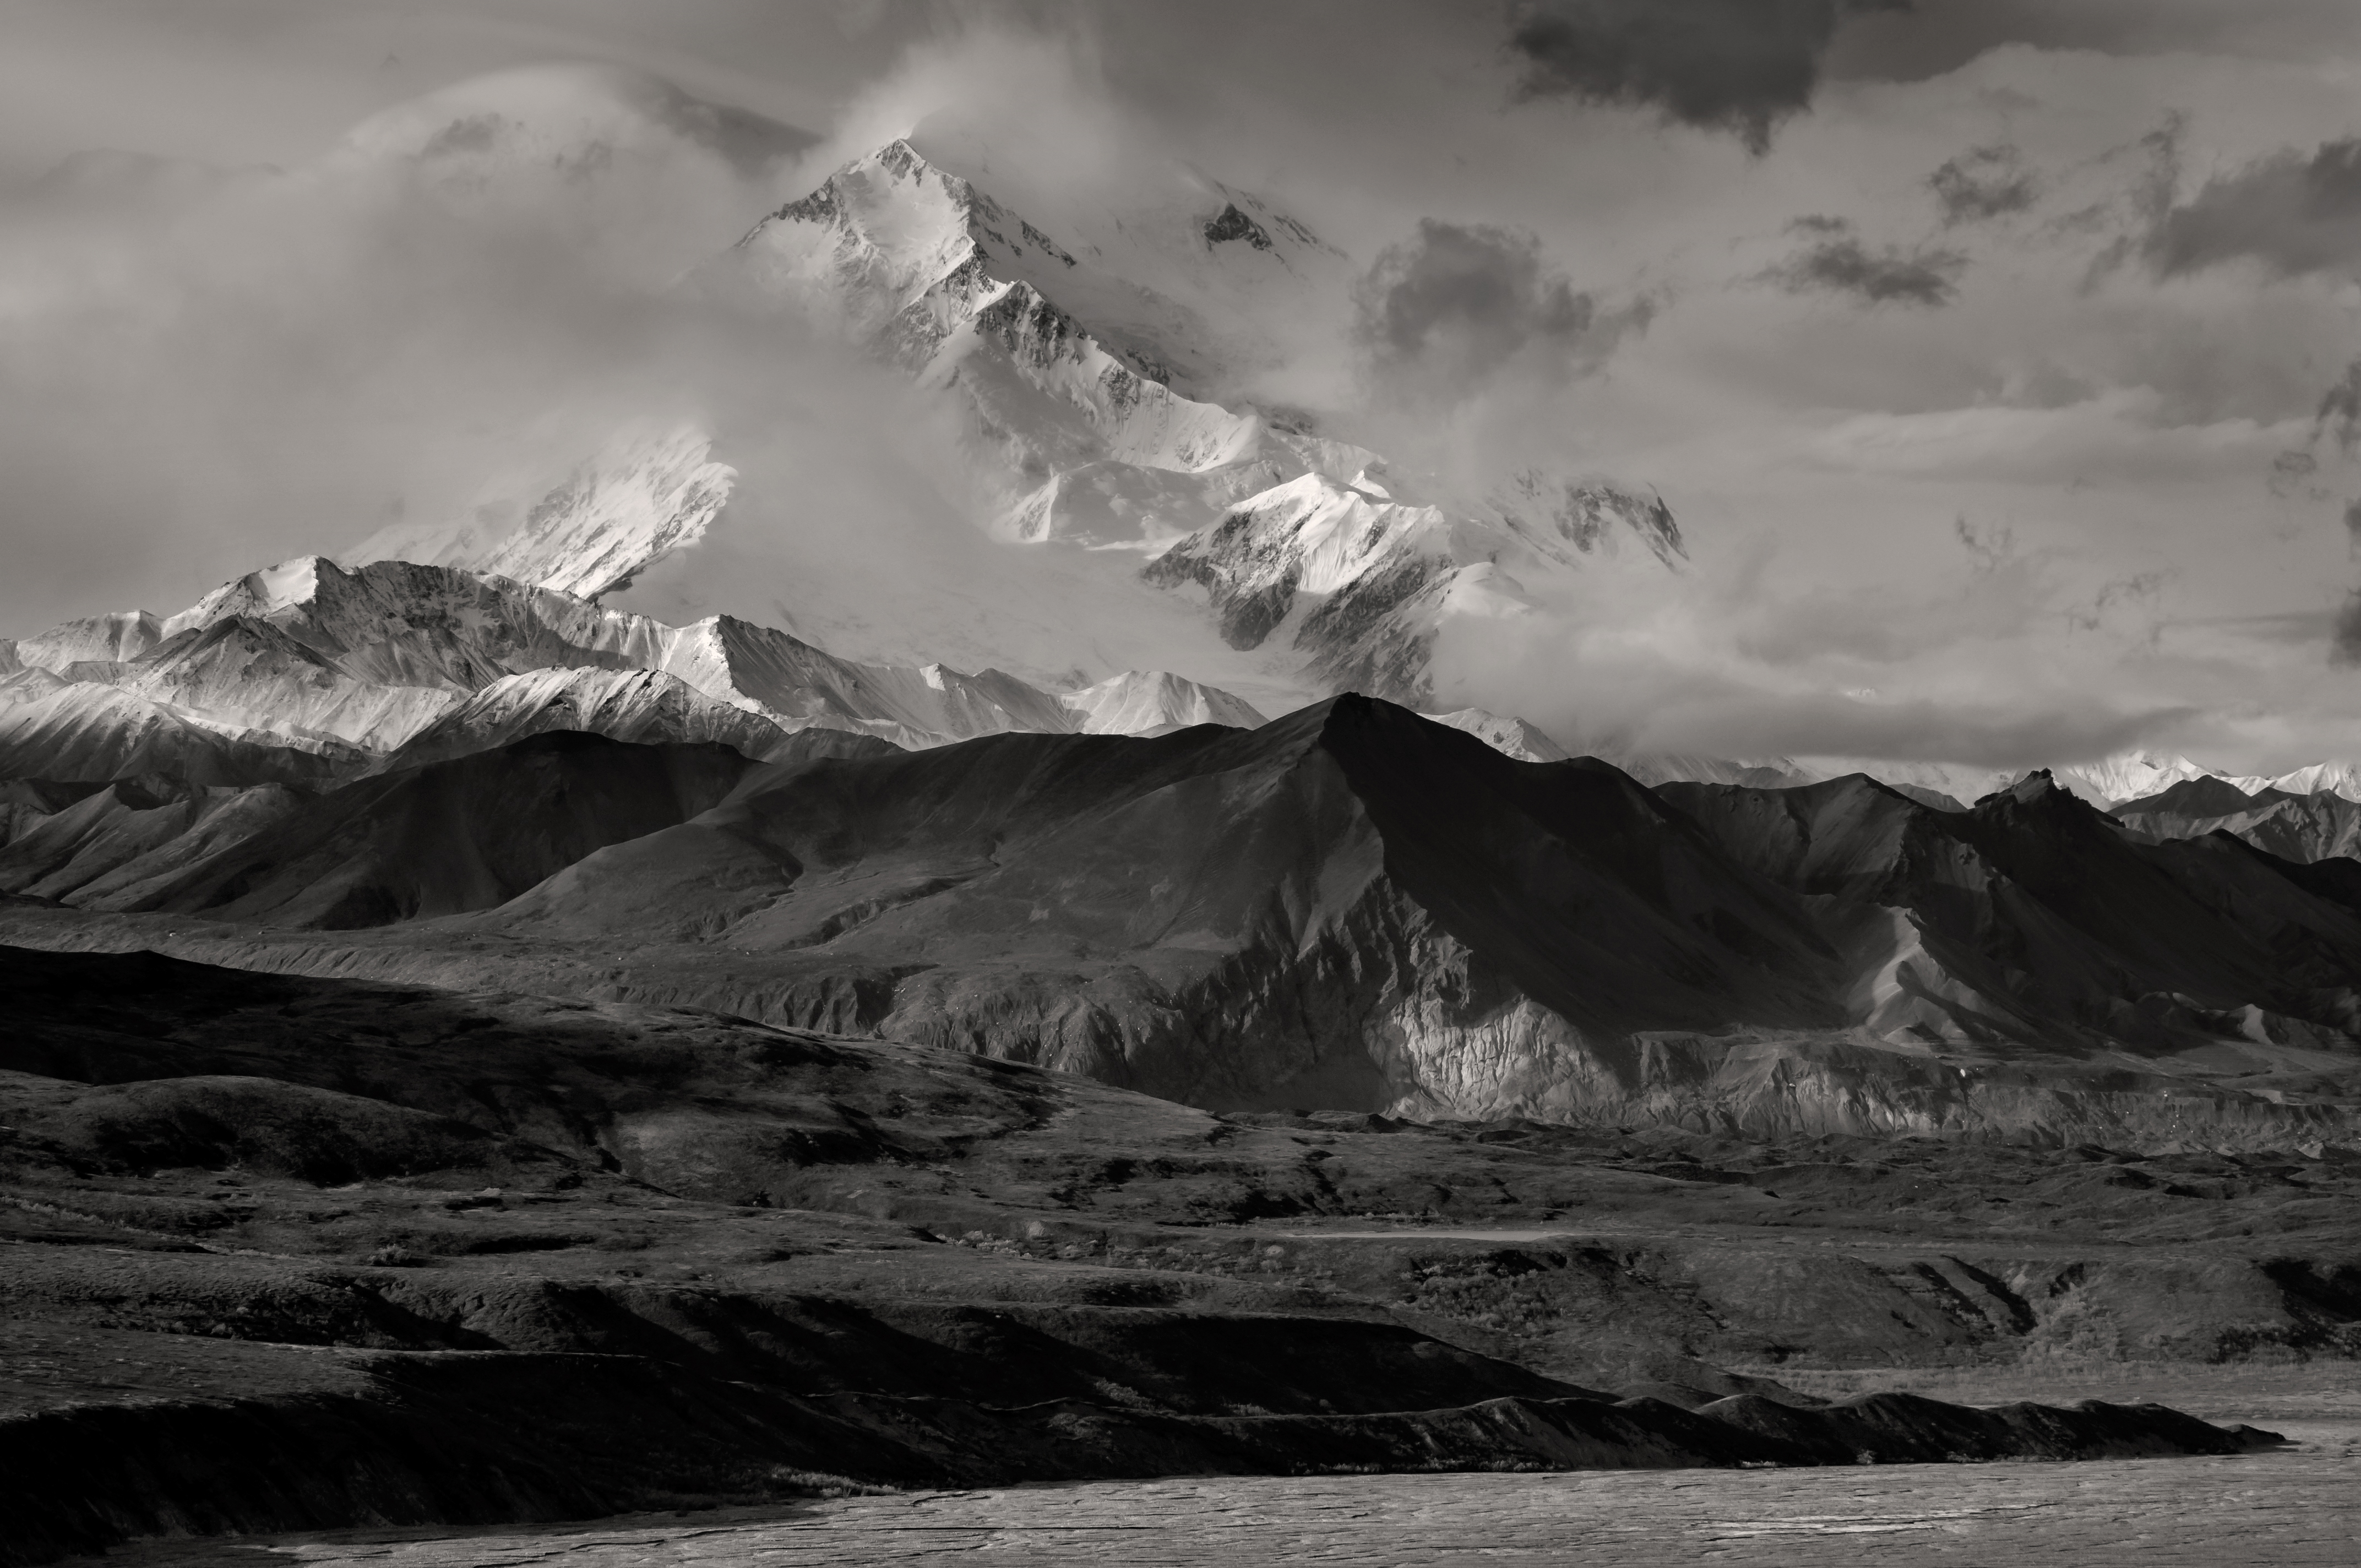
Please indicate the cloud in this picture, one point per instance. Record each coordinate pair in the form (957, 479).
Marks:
(1838, 263)
(2291, 473)
(2291, 213)
(2340, 412)
(1444, 313)
(2137, 598)
(2117, 437)
(1620, 694)
(1739, 66)
(1933, 37)
(194, 387)
(1984, 183)
(1990, 654)
(2344, 636)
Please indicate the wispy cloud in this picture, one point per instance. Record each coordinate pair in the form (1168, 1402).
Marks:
(2292, 214)
(1984, 183)
(1839, 262)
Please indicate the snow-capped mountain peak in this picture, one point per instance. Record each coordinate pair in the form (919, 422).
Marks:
(2128, 775)
(2338, 778)
(644, 496)
(1510, 736)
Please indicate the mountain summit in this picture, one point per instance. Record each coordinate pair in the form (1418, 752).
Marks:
(1085, 391)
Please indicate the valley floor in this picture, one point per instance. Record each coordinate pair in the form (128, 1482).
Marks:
(2298, 1505)
(290, 1254)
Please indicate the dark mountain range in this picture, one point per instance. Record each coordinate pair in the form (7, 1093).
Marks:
(2321, 826)
(2032, 918)
(444, 838)
(2199, 797)
(1355, 908)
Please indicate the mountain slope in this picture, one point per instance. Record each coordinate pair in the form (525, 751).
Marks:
(1222, 917)
(1137, 702)
(92, 732)
(2034, 918)
(1355, 908)
(2319, 826)
(1509, 736)
(340, 668)
(108, 848)
(638, 501)
(645, 707)
(446, 836)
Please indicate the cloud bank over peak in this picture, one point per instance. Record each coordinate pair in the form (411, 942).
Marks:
(2078, 271)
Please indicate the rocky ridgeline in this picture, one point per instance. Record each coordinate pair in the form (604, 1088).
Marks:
(1352, 909)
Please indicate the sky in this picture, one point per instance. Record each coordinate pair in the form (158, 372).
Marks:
(2001, 358)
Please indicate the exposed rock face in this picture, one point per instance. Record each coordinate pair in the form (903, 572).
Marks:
(1378, 577)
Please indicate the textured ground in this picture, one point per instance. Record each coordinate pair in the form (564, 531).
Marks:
(2301, 1505)
(282, 1253)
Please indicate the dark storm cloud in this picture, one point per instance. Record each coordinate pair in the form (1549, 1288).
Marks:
(2294, 214)
(2340, 412)
(1931, 37)
(2344, 636)
(1982, 183)
(1838, 263)
(1729, 65)
(1449, 308)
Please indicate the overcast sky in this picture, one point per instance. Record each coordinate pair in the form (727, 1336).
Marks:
(2000, 357)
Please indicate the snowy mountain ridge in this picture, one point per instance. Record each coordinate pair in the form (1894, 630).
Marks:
(1077, 384)
(632, 505)
(353, 665)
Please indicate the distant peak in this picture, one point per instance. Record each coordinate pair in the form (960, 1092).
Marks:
(2032, 785)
